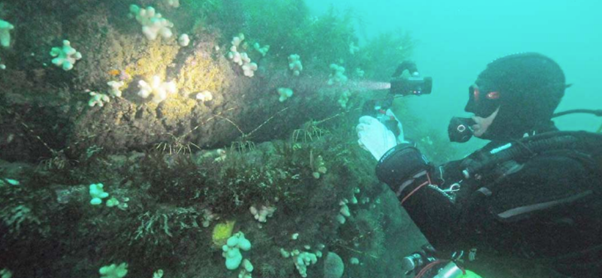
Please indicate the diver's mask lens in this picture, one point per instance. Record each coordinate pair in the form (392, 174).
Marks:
(482, 101)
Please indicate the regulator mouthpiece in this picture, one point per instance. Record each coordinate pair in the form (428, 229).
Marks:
(460, 129)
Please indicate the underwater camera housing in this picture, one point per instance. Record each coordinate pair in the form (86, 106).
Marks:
(404, 82)
(407, 81)
(413, 85)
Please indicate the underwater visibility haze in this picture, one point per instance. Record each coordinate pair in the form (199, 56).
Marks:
(217, 138)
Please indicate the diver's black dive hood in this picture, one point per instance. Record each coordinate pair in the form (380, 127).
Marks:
(527, 87)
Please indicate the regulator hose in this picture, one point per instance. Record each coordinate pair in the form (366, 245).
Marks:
(530, 146)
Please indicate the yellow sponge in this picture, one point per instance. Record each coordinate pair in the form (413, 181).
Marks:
(222, 231)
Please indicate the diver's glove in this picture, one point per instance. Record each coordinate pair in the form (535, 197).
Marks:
(374, 136)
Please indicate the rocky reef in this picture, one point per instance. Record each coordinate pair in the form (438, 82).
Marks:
(163, 128)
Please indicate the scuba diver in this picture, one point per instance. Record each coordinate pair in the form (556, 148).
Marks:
(533, 194)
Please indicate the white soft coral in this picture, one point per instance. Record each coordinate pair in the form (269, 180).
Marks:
(159, 89)
(65, 55)
(237, 57)
(241, 58)
(5, 27)
(294, 64)
(153, 23)
(115, 89)
(261, 213)
(173, 3)
(249, 69)
(337, 76)
(98, 99)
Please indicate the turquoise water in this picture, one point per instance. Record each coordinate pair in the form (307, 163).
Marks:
(456, 39)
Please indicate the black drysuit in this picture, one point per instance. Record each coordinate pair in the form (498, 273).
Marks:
(545, 208)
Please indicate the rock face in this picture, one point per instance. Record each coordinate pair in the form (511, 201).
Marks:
(44, 110)
(246, 110)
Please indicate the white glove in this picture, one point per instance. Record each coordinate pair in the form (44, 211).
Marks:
(374, 136)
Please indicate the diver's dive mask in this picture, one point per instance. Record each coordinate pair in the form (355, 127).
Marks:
(482, 101)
